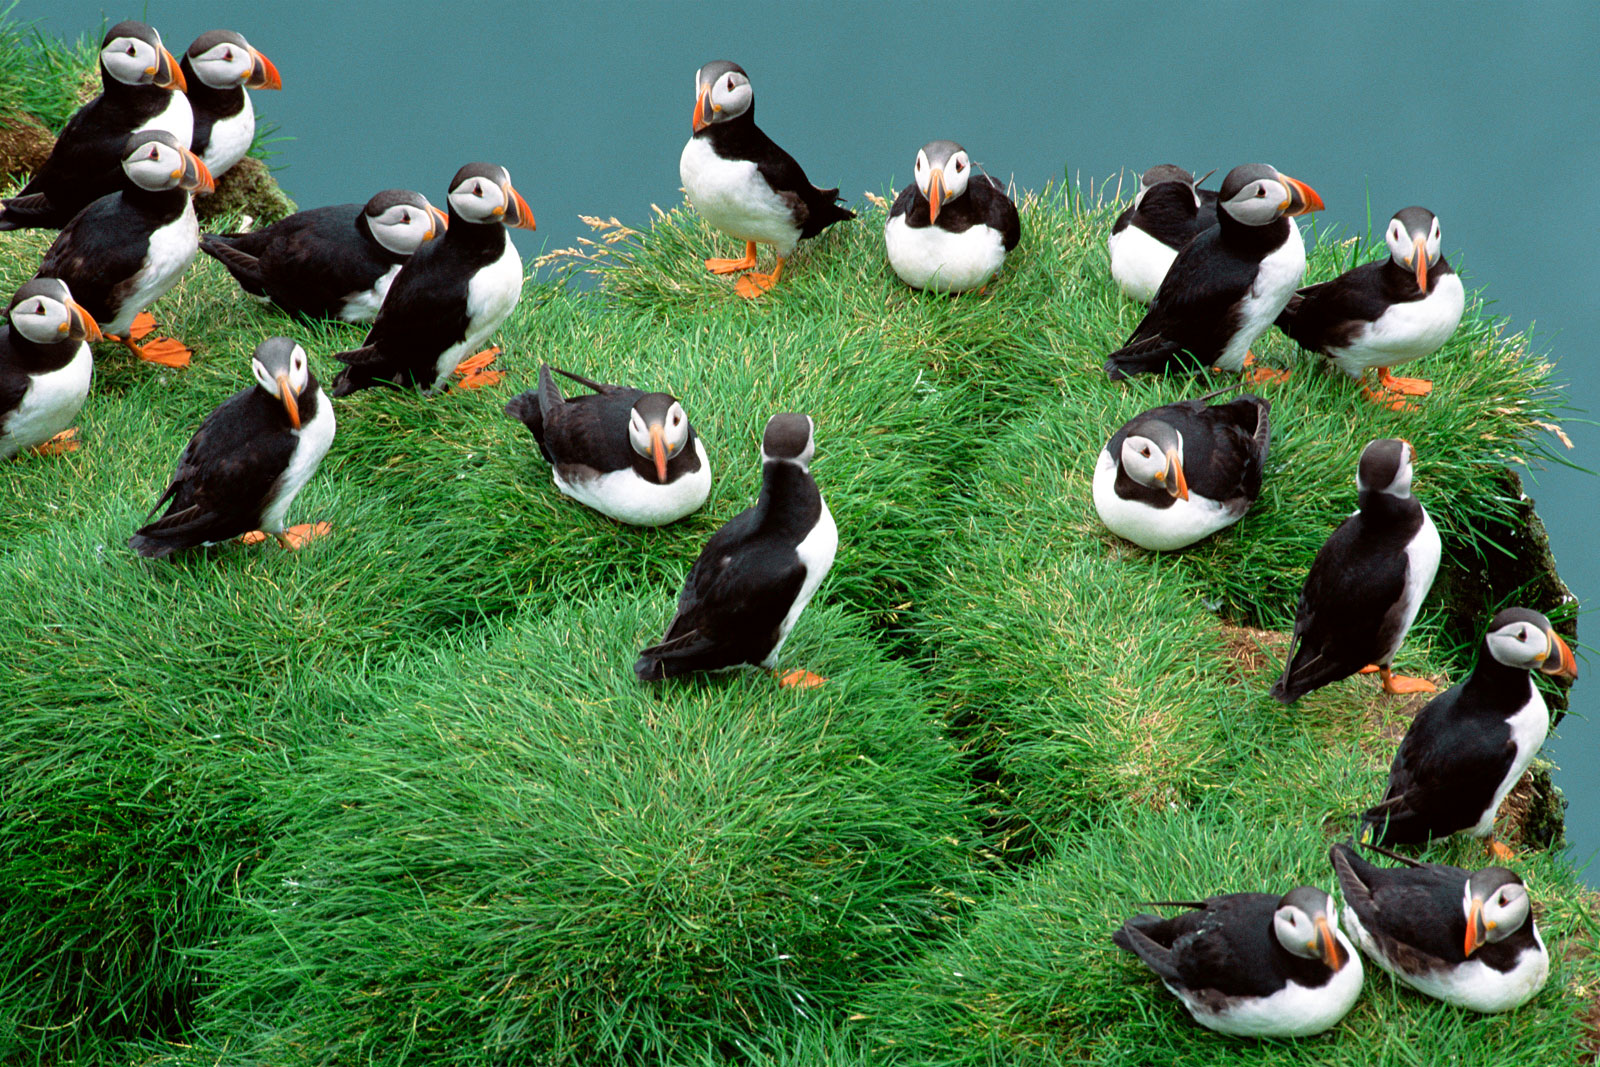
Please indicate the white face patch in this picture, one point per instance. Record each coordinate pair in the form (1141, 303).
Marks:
(954, 174)
(131, 61)
(479, 199)
(730, 97)
(41, 320)
(1519, 644)
(1144, 462)
(1259, 203)
(402, 228)
(675, 431)
(223, 66)
(154, 166)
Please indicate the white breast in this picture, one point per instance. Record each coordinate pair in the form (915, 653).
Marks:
(628, 498)
(1406, 331)
(1472, 984)
(230, 139)
(1276, 280)
(491, 294)
(52, 401)
(733, 197)
(363, 305)
(177, 119)
(816, 553)
(172, 248)
(314, 438)
(1139, 262)
(931, 258)
(1293, 1011)
(1529, 726)
(1422, 564)
(1160, 529)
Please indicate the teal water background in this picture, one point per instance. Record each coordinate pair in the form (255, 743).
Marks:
(1487, 114)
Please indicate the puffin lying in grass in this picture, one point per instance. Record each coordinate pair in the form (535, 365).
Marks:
(1167, 213)
(949, 231)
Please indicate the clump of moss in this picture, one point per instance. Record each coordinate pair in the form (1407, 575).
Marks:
(24, 144)
(247, 189)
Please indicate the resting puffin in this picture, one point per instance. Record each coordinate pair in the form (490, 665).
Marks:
(45, 368)
(218, 68)
(945, 231)
(1228, 284)
(1166, 214)
(248, 460)
(1464, 937)
(124, 251)
(756, 574)
(626, 453)
(1386, 312)
(745, 185)
(1252, 964)
(1178, 473)
(1468, 748)
(1366, 583)
(141, 89)
(330, 262)
(451, 294)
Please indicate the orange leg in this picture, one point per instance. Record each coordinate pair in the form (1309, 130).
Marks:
(165, 350)
(799, 679)
(1261, 375)
(1500, 850)
(1405, 386)
(733, 266)
(471, 369)
(754, 284)
(295, 537)
(1398, 684)
(61, 443)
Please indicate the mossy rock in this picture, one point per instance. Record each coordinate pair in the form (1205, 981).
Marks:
(24, 144)
(247, 189)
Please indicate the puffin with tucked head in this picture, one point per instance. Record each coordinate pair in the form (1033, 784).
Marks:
(1167, 213)
(218, 68)
(45, 368)
(743, 184)
(141, 89)
(947, 230)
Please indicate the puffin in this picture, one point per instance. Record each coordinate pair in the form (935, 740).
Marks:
(450, 295)
(625, 453)
(947, 231)
(1366, 582)
(1178, 473)
(45, 368)
(1384, 313)
(124, 251)
(1252, 964)
(1228, 284)
(333, 262)
(248, 461)
(756, 574)
(141, 89)
(218, 67)
(1167, 213)
(1464, 937)
(1470, 745)
(743, 184)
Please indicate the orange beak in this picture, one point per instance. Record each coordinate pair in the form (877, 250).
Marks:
(289, 403)
(82, 326)
(263, 75)
(1332, 951)
(1180, 485)
(1475, 938)
(935, 194)
(441, 223)
(195, 176)
(168, 75)
(1422, 264)
(517, 214)
(1302, 198)
(701, 118)
(658, 452)
(1560, 662)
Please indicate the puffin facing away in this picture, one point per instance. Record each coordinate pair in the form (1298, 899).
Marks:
(745, 185)
(1464, 937)
(451, 295)
(45, 368)
(141, 89)
(1366, 583)
(947, 231)
(218, 67)
(1384, 313)
(756, 574)
(626, 453)
(248, 461)
(330, 262)
(1167, 213)
(125, 251)
(1179, 473)
(1470, 745)
(1252, 964)
(1228, 284)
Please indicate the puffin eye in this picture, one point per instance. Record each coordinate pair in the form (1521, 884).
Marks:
(1261, 190)
(477, 190)
(227, 55)
(405, 216)
(960, 166)
(131, 50)
(730, 83)
(1145, 452)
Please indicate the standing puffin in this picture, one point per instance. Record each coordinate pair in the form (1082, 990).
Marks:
(1178, 473)
(1386, 312)
(945, 231)
(1252, 964)
(626, 453)
(1228, 284)
(141, 89)
(1464, 937)
(218, 68)
(1166, 214)
(451, 294)
(1366, 583)
(45, 368)
(249, 459)
(756, 574)
(1468, 748)
(745, 185)
(124, 251)
(330, 262)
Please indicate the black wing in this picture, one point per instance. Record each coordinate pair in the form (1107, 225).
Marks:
(85, 164)
(906, 202)
(420, 318)
(1193, 312)
(996, 209)
(1444, 773)
(1413, 913)
(1328, 314)
(95, 254)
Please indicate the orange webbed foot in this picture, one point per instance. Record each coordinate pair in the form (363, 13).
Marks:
(297, 537)
(1501, 851)
(1403, 386)
(1371, 668)
(143, 326)
(254, 537)
(800, 679)
(62, 443)
(1266, 376)
(1399, 684)
(166, 352)
(481, 379)
(733, 266)
(475, 363)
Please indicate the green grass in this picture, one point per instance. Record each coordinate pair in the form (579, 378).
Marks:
(398, 798)
(41, 75)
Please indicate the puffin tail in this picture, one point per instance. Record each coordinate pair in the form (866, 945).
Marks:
(824, 209)
(1286, 318)
(244, 267)
(1152, 355)
(31, 211)
(1287, 689)
(1134, 936)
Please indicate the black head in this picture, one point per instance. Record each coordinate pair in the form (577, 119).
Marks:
(1257, 194)
(482, 193)
(154, 160)
(1496, 904)
(789, 437)
(132, 54)
(1413, 238)
(658, 429)
(223, 59)
(283, 371)
(44, 312)
(1306, 925)
(1166, 172)
(1386, 467)
(1523, 638)
(1152, 455)
(722, 92)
